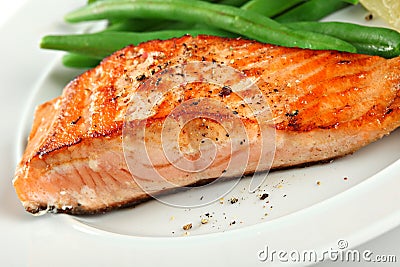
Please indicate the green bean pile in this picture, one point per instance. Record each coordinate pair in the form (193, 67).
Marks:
(291, 23)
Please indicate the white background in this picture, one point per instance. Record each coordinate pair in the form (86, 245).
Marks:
(388, 243)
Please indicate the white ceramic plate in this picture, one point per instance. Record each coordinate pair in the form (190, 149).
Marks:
(300, 214)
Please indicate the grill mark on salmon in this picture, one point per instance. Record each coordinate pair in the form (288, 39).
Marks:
(325, 104)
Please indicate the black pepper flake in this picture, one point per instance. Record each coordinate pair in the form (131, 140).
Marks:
(224, 171)
(264, 196)
(390, 110)
(158, 81)
(140, 77)
(76, 121)
(225, 91)
(276, 90)
(233, 200)
(232, 223)
(293, 113)
(369, 17)
(227, 135)
(235, 112)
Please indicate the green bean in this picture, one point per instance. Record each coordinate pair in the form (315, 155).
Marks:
(243, 22)
(79, 61)
(103, 44)
(145, 25)
(233, 2)
(224, 2)
(353, 2)
(368, 40)
(135, 25)
(312, 10)
(270, 8)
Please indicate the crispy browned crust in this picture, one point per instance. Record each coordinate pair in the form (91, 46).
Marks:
(74, 100)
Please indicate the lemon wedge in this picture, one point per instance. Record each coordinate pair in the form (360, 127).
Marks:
(389, 10)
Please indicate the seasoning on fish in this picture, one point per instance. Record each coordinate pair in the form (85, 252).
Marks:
(324, 105)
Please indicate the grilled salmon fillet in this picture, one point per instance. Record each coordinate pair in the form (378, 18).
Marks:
(324, 105)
